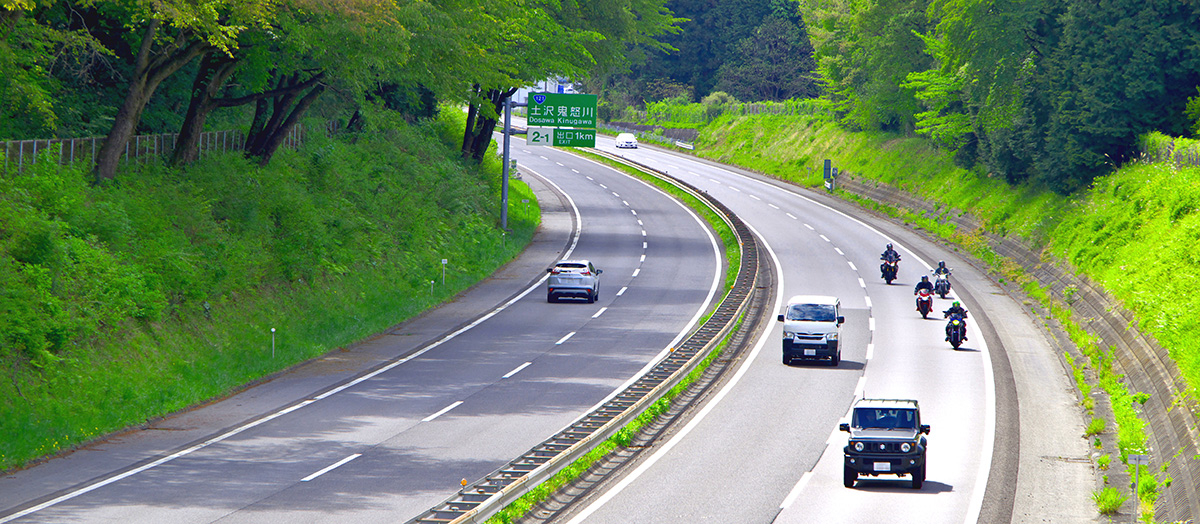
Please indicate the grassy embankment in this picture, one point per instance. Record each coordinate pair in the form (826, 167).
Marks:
(124, 303)
(1134, 232)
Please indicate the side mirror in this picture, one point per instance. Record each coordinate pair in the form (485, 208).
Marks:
(845, 426)
(925, 428)
(841, 320)
(598, 271)
(780, 318)
(549, 269)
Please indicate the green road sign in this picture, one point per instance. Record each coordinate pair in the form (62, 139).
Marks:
(561, 110)
(549, 136)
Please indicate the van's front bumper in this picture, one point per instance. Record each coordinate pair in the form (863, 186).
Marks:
(792, 350)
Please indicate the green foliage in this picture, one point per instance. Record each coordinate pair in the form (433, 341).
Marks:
(1192, 111)
(1095, 427)
(122, 303)
(1103, 462)
(1109, 500)
(774, 63)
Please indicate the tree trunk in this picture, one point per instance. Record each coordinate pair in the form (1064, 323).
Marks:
(478, 133)
(215, 70)
(275, 138)
(147, 75)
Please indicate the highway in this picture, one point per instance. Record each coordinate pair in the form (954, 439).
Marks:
(766, 448)
(389, 427)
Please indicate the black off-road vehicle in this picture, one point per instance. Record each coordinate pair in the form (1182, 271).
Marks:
(886, 438)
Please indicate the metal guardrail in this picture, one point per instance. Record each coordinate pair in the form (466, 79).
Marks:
(480, 500)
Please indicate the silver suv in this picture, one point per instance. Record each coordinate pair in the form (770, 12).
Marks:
(573, 279)
(886, 438)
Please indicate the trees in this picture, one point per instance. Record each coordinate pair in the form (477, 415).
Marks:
(775, 63)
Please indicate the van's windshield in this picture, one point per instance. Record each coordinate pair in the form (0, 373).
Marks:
(812, 313)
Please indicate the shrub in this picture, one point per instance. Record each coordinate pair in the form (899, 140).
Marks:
(1108, 500)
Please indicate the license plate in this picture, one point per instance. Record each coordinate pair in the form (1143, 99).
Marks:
(883, 466)
(810, 352)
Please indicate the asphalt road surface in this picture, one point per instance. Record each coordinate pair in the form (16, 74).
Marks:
(388, 428)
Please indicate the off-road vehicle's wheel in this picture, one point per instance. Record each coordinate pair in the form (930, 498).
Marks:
(918, 477)
(849, 476)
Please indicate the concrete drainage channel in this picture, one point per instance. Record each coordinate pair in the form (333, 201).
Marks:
(478, 501)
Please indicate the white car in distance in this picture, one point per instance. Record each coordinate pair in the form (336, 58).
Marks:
(626, 141)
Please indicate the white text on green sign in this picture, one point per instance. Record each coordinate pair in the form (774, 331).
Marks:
(549, 136)
(561, 110)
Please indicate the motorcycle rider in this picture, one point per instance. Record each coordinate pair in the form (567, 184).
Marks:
(955, 309)
(888, 254)
(923, 284)
(941, 269)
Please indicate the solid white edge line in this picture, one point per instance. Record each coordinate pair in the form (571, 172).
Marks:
(564, 339)
(443, 411)
(331, 468)
(695, 421)
(517, 370)
(601, 312)
(988, 446)
(622, 291)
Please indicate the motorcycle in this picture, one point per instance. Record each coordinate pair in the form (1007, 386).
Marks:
(956, 330)
(941, 284)
(889, 268)
(924, 302)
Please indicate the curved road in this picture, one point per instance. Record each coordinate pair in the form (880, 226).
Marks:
(387, 429)
(765, 447)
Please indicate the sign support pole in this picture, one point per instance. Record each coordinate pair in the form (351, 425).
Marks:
(504, 178)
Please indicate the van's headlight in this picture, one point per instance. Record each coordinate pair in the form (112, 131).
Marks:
(831, 336)
(789, 334)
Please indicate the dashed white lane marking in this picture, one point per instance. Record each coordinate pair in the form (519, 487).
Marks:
(871, 324)
(852, 265)
(839, 251)
(560, 164)
(522, 366)
(643, 245)
(543, 158)
(616, 195)
(868, 300)
(793, 217)
(603, 186)
(640, 223)
(772, 206)
(601, 312)
(693, 173)
(442, 412)
(636, 271)
(634, 211)
(715, 181)
(755, 197)
(527, 151)
(861, 283)
(735, 189)
(576, 171)
(564, 339)
(809, 227)
(643, 258)
(331, 468)
(622, 291)
(825, 238)
(643, 232)
(870, 351)
(626, 202)
(590, 178)
(796, 489)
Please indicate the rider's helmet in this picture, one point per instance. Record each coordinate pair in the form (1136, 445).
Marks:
(941, 263)
(924, 278)
(956, 304)
(889, 246)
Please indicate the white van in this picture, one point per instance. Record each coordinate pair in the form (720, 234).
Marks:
(812, 327)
